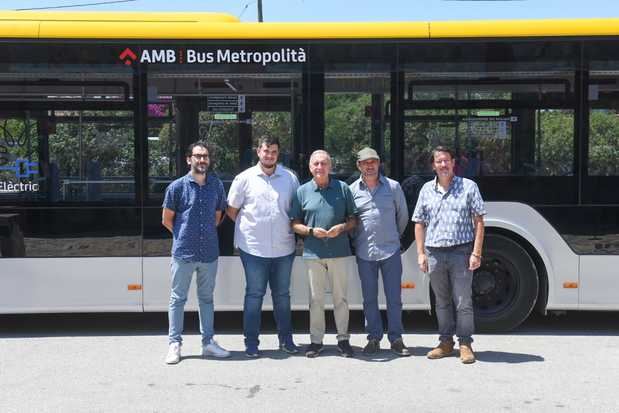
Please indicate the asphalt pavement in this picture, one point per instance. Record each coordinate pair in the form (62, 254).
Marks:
(114, 362)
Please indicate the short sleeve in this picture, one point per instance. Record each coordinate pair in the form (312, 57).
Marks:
(221, 202)
(170, 200)
(420, 214)
(477, 203)
(351, 208)
(295, 208)
(236, 194)
(295, 181)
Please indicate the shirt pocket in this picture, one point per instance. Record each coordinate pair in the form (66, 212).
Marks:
(384, 202)
(209, 204)
(186, 202)
(457, 205)
(363, 204)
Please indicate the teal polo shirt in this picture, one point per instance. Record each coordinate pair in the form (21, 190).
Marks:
(324, 208)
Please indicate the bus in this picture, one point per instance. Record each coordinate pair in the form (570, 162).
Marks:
(96, 110)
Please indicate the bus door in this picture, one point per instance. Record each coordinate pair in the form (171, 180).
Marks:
(230, 111)
(597, 225)
(69, 223)
(512, 133)
(358, 86)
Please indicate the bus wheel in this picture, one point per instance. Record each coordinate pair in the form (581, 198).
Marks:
(505, 286)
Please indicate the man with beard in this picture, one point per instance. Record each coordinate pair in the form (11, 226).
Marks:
(258, 201)
(449, 232)
(192, 209)
(323, 211)
(383, 217)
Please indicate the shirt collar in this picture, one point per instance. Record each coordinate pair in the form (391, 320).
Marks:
(190, 178)
(331, 184)
(381, 181)
(258, 170)
(454, 183)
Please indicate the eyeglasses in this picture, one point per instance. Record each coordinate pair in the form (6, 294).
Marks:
(200, 157)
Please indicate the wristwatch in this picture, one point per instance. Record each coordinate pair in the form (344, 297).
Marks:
(311, 231)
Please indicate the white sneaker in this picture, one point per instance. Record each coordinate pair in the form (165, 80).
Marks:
(212, 349)
(174, 353)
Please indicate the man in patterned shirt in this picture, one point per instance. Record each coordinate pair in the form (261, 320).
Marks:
(192, 209)
(449, 232)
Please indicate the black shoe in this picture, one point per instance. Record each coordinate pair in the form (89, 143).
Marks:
(313, 350)
(288, 346)
(344, 347)
(399, 348)
(252, 352)
(371, 347)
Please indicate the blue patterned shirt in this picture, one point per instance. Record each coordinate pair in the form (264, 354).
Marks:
(195, 229)
(448, 216)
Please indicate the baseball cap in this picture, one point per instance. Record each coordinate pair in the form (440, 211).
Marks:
(367, 153)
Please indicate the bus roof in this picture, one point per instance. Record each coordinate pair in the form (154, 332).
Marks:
(162, 26)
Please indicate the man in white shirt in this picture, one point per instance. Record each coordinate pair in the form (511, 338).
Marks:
(258, 201)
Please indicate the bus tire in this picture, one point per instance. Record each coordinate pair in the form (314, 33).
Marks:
(505, 286)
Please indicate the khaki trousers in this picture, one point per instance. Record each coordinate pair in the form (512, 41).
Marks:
(334, 271)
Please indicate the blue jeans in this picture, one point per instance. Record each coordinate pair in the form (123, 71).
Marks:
(451, 281)
(182, 272)
(258, 272)
(391, 270)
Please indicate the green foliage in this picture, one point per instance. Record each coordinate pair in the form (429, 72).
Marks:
(557, 143)
(421, 136)
(347, 129)
(162, 152)
(603, 143)
(223, 136)
(105, 140)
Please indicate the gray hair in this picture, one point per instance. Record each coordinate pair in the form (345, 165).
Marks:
(320, 152)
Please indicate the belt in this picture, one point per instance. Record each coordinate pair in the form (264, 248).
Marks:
(452, 247)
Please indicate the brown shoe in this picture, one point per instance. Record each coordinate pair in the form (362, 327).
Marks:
(444, 349)
(466, 354)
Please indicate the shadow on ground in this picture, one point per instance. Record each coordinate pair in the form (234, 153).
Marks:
(416, 322)
(505, 357)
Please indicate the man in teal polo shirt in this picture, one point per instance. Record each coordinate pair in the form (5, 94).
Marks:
(323, 211)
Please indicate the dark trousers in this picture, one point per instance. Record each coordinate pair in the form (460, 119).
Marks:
(391, 270)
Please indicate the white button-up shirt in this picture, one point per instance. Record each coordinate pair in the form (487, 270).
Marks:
(262, 226)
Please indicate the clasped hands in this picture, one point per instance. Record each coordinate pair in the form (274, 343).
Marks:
(333, 232)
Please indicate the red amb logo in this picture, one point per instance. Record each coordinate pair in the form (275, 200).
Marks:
(128, 56)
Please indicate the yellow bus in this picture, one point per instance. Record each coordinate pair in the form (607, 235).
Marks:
(97, 108)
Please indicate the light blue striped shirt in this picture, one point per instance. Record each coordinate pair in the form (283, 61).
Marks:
(383, 216)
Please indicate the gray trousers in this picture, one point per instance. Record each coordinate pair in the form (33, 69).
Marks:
(451, 282)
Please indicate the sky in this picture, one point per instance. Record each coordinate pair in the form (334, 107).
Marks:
(354, 10)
